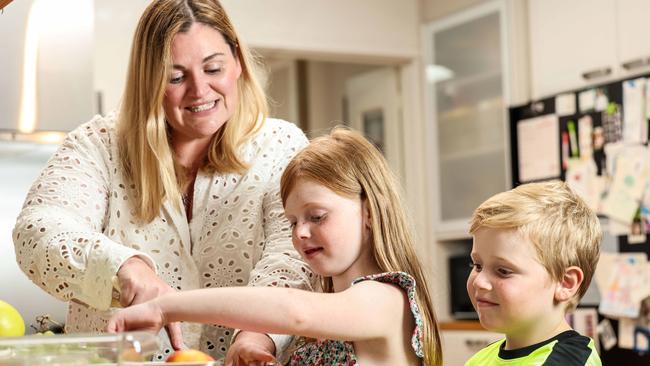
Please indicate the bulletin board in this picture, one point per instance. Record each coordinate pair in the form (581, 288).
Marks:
(542, 114)
(614, 92)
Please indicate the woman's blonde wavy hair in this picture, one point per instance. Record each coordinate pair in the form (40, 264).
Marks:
(349, 165)
(142, 131)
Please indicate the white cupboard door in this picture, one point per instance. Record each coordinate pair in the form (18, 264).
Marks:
(459, 345)
(633, 30)
(466, 64)
(374, 109)
(572, 44)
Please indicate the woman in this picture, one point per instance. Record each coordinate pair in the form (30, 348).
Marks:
(179, 191)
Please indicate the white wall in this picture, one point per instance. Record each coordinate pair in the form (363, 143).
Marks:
(436, 9)
(115, 23)
(12, 22)
(65, 72)
(20, 164)
(360, 28)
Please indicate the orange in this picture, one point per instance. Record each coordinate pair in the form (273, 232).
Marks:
(189, 355)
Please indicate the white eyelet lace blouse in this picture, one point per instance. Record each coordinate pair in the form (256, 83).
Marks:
(77, 227)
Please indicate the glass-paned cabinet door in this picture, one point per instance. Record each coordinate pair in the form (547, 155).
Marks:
(466, 113)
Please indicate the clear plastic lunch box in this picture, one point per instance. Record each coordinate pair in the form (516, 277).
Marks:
(78, 350)
(131, 348)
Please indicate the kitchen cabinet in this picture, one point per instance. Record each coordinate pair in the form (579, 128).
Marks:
(470, 69)
(574, 44)
(633, 29)
(459, 345)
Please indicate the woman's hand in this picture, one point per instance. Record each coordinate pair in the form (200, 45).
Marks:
(146, 316)
(251, 349)
(138, 284)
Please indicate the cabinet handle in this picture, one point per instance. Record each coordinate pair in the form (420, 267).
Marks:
(99, 98)
(635, 64)
(605, 71)
(476, 343)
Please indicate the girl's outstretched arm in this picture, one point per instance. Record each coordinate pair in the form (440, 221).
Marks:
(366, 310)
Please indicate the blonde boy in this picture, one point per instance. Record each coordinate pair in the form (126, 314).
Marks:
(535, 250)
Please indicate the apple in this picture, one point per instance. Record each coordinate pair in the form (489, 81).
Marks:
(11, 323)
(189, 355)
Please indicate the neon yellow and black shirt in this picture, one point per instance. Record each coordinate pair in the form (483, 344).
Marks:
(568, 348)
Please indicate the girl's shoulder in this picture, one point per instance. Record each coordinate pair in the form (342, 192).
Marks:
(396, 285)
(407, 283)
(401, 279)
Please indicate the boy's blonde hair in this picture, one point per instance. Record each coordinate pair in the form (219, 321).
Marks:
(349, 165)
(563, 229)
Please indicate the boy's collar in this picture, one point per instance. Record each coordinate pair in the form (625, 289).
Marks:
(525, 351)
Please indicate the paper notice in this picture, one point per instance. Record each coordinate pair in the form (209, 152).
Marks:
(565, 104)
(587, 100)
(538, 148)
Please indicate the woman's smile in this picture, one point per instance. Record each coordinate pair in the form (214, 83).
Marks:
(197, 108)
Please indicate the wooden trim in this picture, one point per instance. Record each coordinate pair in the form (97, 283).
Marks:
(461, 325)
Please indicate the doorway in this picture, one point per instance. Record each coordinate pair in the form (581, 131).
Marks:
(318, 95)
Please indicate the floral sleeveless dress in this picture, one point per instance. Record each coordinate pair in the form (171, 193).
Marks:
(337, 353)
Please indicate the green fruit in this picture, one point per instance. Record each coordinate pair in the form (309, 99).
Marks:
(11, 323)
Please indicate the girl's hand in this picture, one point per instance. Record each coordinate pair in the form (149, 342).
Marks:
(251, 349)
(139, 283)
(146, 316)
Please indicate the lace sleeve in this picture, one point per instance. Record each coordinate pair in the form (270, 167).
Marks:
(58, 234)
